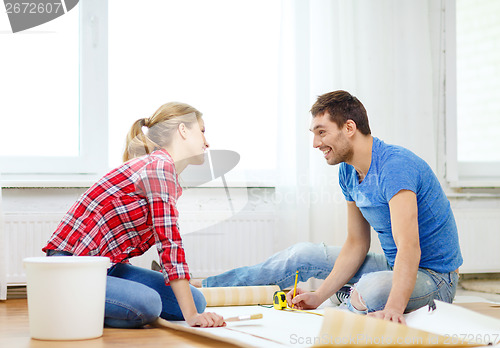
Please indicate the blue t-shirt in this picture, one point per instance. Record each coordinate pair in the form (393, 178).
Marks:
(392, 169)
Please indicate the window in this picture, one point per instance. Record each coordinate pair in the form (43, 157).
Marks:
(220, 56)
(158, 51)
(477, 92)
(53, 94)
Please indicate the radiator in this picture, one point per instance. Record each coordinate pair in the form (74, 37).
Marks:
(213, 241)
(24, 236)
(479, 233)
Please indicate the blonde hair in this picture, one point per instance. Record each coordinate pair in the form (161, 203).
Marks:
(155, 132)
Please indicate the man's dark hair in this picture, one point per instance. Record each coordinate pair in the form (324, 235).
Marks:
(342, 106)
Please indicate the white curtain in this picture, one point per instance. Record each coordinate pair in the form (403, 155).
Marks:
(386, 53)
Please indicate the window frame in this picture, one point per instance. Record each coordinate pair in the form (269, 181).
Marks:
(93, 109)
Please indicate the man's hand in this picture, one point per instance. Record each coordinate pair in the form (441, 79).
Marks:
(206, 319)
(389, 314)
(303, 299)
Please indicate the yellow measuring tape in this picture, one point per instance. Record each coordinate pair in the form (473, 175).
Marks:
(279, 302)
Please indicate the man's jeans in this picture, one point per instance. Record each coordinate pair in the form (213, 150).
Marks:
(136, 296)
(373, 281)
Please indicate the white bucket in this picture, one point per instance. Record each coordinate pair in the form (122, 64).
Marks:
(66, 296)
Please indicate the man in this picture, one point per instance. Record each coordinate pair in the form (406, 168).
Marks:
(388, 188)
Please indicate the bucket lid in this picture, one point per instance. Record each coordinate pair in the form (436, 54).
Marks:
(68, 260)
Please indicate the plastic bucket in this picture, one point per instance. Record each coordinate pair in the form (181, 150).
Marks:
(66, 296)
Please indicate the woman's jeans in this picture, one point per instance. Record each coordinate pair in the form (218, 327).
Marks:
(373, 281)
(136, 296)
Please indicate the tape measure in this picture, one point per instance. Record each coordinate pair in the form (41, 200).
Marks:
(279, 300)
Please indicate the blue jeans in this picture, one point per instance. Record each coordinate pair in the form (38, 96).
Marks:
(136, 296)
(373, 280)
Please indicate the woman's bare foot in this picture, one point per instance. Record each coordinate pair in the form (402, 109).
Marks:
(196, 283)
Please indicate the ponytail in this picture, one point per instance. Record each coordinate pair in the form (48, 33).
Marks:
(137, 142)
(150, 134)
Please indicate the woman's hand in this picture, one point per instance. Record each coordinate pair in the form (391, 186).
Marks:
(206, 319)
(303, 299)
(182, 293)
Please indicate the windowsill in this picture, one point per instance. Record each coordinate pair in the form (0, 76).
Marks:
(87, 180)
(466, 182)
(47, 180)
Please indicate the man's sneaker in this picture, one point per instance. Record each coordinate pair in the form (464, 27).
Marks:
(344, 293)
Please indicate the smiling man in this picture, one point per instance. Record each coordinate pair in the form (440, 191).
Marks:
(392, 190)
(388, 188)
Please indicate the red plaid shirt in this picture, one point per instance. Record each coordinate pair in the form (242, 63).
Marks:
(125, 213)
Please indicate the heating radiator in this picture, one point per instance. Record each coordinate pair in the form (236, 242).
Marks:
(479, 234)
(214, 241)
(24, 236)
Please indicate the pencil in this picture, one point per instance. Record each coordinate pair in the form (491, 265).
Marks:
(295, 286)
(245, 317)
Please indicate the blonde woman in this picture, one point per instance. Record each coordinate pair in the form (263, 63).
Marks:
(133, 208)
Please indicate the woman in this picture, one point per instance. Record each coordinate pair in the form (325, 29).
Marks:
(132, 208)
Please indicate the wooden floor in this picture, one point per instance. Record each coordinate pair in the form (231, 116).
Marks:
(14, 333)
